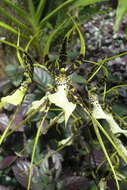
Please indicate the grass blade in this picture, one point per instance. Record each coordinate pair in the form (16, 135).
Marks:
(11, 29)
(55, 11)
(19, 11)
(79, 3)
(51, 37)
(115, 87)
(98, 69)
(40, 9)
(14, 20)
(82, 41)
(31, 8)
(12, 45)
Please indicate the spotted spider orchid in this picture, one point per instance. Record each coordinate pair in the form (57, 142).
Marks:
(99, 113)
(59, 98)
(17, 97)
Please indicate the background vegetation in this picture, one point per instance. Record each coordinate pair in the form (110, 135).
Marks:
(39, 150)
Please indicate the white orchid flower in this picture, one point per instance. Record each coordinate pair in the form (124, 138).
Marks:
(36, 104)
(14, 99)
(99, 113)
(60, 99)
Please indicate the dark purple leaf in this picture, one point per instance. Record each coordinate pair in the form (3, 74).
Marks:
(75, 182)
(3, 121)
(7, 161)
(21, 172)
(42, 77)
(18, 119)
(97, 157)
(111, 184)
(56, 160)
(27, 103)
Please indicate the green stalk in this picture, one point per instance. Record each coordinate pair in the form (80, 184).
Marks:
(34, 147)
(3, 136)
(105, 151)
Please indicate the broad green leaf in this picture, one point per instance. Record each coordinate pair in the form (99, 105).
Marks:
(99, 113)
(42, 77)
(120, 13)
(60, 99)
(120, 109)
(14, 99)
(78, 79)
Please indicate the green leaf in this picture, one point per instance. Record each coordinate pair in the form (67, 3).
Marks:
(42, 77)
(120, 13)
(51, 38)
(97, 70)
(120, 109)
(82, 41)
(52, 13)
(78, 78)
(94, 187)
(68, 141)
(79, 3)
(31, 7)
(19, 11)
(11, 29)
(115, 87)
(12, 45)
(60, 99)
(8, 27)
(14, 20)
(94, 121)
(18, 53)
(40, 9)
